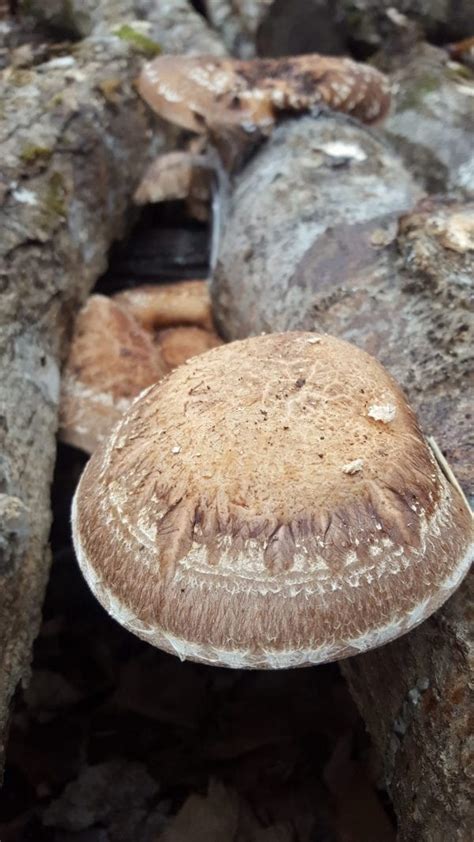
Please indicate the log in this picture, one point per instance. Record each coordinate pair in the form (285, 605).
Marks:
(176, 25)
(74, 142)
(277, 27)
(433, 133)
(313, 240)
(416, 698)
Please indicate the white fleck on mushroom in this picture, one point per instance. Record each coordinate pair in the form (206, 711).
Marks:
(384, 412)
(353, 467)
(260, 554)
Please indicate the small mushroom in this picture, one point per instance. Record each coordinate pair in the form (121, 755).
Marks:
(216, 522)
(111, 360)
(178, 344)
(168, 305)
(116, 353)
(203, 92)
(178, 175)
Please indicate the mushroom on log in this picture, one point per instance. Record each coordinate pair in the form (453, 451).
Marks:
(207, 92)
(123, 344)
(271, 504)
(313, 240)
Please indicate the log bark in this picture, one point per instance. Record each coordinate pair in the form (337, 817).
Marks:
(313, 241)
(416, 697)
(277, 27)
(432, 119)
(178, 28)
(74, 142)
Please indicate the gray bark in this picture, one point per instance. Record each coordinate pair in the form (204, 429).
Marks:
(237, 23)
(416, 697)
(280, 27)
(432, 120)
(175, 24)
(313, 240)
(74, 141)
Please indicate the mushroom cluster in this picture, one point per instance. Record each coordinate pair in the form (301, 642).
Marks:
(271, 503)
(123, 344)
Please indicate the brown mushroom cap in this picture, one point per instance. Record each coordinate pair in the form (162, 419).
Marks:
(205, 91)
(112, 359)
(271, 503)
(169, 305)
(178, 344)
(116, 353)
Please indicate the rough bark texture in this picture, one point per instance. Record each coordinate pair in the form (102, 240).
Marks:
(74, 141)
(370, 20)
(279, 27)
(313, 240)
(416, 697)
(174, 23)
(237, 23)
(432, 119)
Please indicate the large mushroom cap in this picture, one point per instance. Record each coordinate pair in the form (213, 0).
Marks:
(198, 92)
(271, 503)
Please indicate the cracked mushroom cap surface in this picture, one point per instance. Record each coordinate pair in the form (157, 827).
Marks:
(271, 504)
(198, 92)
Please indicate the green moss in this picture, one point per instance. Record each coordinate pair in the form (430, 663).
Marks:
(54, 203)
(139, 41)
(413, 95)
(56, 100)
(31, 154)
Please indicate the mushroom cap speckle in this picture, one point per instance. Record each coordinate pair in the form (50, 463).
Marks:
(254, 510)
(200, 92)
